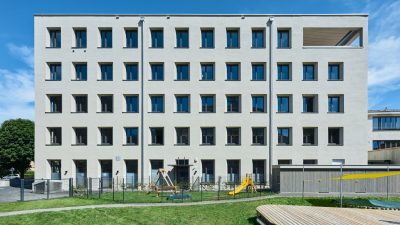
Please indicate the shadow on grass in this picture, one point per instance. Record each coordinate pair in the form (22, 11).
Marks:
(322, 202)
(252, 220)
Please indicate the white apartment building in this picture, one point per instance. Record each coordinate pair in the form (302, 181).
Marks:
(384, 126)
(200, 95)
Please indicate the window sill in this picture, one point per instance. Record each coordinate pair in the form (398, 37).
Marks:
(182, 112)
(232, 112)
(53, 112)
(283, 112)
(181, 144)
(156, 145)
(258, 80)
(181, 80)
(309, 145)
(155, 112)
(309, 112)
(258, 145)
(51, 80)
(53, 144)
(79, 145)
(232, 47)
(207, 145)
(104, 112)
(258, 47)
(156, 47)
(284, 80)
(130, 145)
(336, 80)
(232, 80)
(129, 47)
(79, 112)
(233, 145)
(181, 47)
(309, 80)
(335, 144)
(207, 80)
(129, 80)
(207, 47)
(104, 145)
(206, 112)
(103, 80)
(284, 48)
(283, 145)
(130, 112)
(77, 80)
(104, 47)
(53, 47)
(335, 112)
(79, 48)
(258, 112)
(155, 80)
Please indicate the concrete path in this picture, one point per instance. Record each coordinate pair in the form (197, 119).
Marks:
(136, 205)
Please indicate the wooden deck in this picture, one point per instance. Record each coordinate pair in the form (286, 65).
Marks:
(287, 214)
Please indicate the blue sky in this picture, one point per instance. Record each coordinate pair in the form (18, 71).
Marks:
(16, 38)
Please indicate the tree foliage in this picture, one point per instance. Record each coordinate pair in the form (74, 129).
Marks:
(16, 145)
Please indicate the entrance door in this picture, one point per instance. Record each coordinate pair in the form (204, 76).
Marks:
(182, 173)
(81, 172)
(55, 166)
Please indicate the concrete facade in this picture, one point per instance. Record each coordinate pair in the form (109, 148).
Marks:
(353, 87)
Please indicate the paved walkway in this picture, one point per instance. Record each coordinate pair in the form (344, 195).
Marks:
(138, 205)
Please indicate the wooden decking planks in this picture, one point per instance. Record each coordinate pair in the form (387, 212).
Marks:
(288, 214)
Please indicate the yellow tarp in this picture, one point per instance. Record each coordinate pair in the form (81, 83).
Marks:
(357, 176)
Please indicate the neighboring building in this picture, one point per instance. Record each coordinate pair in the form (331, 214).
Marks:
(204, 95)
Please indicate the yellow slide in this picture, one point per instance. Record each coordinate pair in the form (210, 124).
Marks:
(247, 182)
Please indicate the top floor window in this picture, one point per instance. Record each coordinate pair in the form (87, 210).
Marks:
(106, 38)
(157, 38)
(283, 39)
(207, 38)
(258, 39)
(334, 72)
(283, 72)
(55, 38)
(258, 72)
(232, 38)
(131, 38)
(182, 71)
(106, 71)
(386, 123)
(182, 38)
(132, 71)
(80, 38)
(81, 71)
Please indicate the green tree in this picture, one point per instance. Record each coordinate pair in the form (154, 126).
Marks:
(16, 145)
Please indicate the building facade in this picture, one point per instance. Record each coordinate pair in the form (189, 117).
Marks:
(200, 95)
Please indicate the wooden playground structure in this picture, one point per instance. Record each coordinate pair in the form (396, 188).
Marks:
(162, 183)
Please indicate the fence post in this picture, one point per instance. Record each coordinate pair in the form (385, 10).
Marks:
(161, 193)
(123, 189)
(341, 185)
(48, 188)
(22, 190)
(387, 184)
(113, 188)
(99, 188)
(70, 186)
(87, 187)
(219, 185)
(302, 189)
(90, 186)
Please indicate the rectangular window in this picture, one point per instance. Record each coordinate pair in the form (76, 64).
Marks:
(233, 103)
(157, 103)
(182, 71)
(335, 136)
(207, 71)
(284, 72)
(55, 103)
(157, 71)
(258, 103)
(284, 104)
(55, 135)
(233, 72)
(382, 144)
(258, 38)
(283, 39)
(131, 38)
(182, 38)
(106, 70)
(233, 135)
(55, 71)
(157, 38)
(132, 135)
(284, 162)
(81, 103)
(258, 135)
(386, 123)
(132, 103)
(157, 135)
(310, 162)
(183, 103)
(335, 103)
(106, 135)
(309, 72)
(334, 72)
(207, 171)
(207, 104)
(208, 136)
(106, 103)
(55, 38)
(80, 38)
(258, 71)
(80, 71)
(80, 135)
(232, 38)
(310, 104)
(259, 171)
(182, 135)
(207, 38)
(106, 38)
(233, 171)
(284, 136)
(310, 135)
(132, 71)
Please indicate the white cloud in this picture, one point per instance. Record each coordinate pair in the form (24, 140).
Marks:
(17, 86)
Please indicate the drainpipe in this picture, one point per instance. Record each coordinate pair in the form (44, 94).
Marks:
(141, 23)
(270, 24)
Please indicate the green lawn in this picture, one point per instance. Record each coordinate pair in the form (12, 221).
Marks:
(231, 213)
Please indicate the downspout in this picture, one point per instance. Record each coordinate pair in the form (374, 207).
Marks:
(270, 23)
(141, 23)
